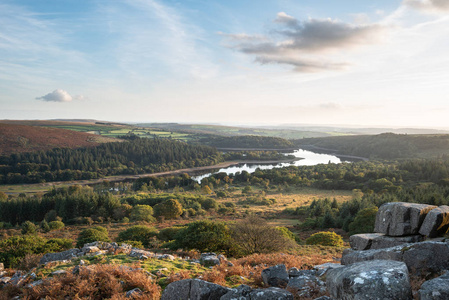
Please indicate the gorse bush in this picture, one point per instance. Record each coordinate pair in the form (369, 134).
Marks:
(325, 238)
(55, 225)
(142, 213)
(29, 228)
(93, 234)
(139, 233)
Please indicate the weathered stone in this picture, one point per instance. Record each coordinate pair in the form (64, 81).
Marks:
(401, 218)
(59, 272)
(239, 293)
(133, 293)
(270, 294)
(209, 259)
(435, 289)
(65, 255)
(377, 279)
(90, 249)
(324, 298)
(4, 280)
(35, 283)
(138, 253)
(323, 268)
(167, 256)
(276, 276)
(436, 222)
(366, 241)
(295, 272)
(305, 284)
(419, 257)
(18, 278)
(193, 289)
(3, 273)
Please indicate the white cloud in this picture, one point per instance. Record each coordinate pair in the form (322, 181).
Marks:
(434, 6)
(60, 96)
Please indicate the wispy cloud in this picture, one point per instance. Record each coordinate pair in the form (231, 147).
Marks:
(59, 95)
(301, 44)
(433, 6)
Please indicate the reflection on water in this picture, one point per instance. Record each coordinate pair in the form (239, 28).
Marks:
(308, 159)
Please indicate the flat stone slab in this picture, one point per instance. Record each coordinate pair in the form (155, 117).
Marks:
(401, 218)
(419, 257)
(366, 241)
(377, 279)
(436, 222)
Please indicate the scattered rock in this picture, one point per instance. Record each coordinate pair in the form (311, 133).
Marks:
(35, 283)
(366, 241)
(133, 293)
(323, 268)
(293, 272)
(436, 222)
(209, 259)
(241, 292)
(59, 272)
(4, 280)
(60, 256)
(270, 294)
(276, 276)
(401, 218)
(90, 249)
(435, 289)
(167, 256)
(305, 284)
(138, 253)
(193, 289)
(377, 279)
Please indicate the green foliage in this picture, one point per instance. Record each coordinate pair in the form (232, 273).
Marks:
(325, 238)
(169, 233)
(28, 227)
(13, 249)
(364, 221)
(44, 226)
(93, 234)
(142, 213)
(140, 233)
(285, 232)
(169, 209)
(135, 244)
(205, 236)
(55, 225)
(247, 141)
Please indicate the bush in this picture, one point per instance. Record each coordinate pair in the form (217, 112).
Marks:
(205, 236)
(285, 232)
(140, 233)
(135, 244)
(55, 225)
(169, 233)
(325, 238)
(44, 226)
(142, 213)
(169, 209)
(28, 228)
(93, 234)
(364, 221)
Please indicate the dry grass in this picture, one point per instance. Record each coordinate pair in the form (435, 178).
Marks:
(96, 282)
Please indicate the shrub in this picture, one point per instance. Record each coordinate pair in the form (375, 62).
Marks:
(44, 226)
(205, 236)
(55, 225)
(142, 213)
(93, 234)
(169, 209)
(169, 233)
(209, 203)
(364, 221)
(140, 233)
(135, 244)
(285, 232)
(28, 227)
(325, 238)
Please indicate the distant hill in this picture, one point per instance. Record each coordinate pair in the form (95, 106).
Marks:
(23, 138)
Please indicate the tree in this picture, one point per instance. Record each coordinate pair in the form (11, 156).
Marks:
(93, 234)
(28, 228)
(169, 209)
(206, 190)
(254, 235)
(142, 213)
(364, 221)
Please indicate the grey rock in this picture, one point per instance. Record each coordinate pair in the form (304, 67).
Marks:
(82, 263)
(138, 253)
(35, 283)
(240, 293)
(367, 241)
(193, 289)
(90, 249)
(401, 218)
(230, 264)
(293, 272)
(4, 280)
(435, 289)
(323, 268)
(2, 273)
(167, 256)
(18, 278)
(60, 256)
(420, 258)
(209, 259)
(270, 294)
(377, 279)
(305, 285)
(436, 222)
(276, 276)
(133, 293)
(323, 298)
(59, 272)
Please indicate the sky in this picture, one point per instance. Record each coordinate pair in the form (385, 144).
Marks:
(346, 62)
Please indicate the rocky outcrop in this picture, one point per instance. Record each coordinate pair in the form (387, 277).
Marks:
(244, 292)
(65, 255)
(436, 222)
(401, 218)
(209, 259)
(194, 289)
(367, 241)
(435, 289)
(377, 279)
(276, 276)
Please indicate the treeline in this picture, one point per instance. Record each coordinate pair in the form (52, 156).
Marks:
(383, 146)
(246, 141)
(130, 157)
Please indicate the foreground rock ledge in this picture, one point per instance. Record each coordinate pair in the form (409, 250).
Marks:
(377, 279)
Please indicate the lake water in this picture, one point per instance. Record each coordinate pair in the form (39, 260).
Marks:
(308, 159)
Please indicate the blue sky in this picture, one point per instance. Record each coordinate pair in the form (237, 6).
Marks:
(371, 63)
